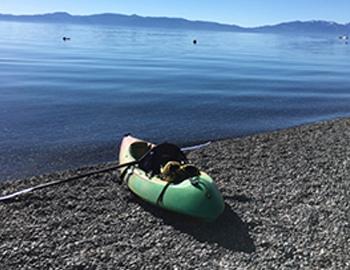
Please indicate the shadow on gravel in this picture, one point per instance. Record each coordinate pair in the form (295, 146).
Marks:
(228, 231)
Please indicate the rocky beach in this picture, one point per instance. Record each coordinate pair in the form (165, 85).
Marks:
(287, 196)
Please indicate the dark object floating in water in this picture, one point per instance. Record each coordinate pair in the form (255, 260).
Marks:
(66, 38)
(344, 37)
(194, 41)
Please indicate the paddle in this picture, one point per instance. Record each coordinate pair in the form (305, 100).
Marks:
(58, 182)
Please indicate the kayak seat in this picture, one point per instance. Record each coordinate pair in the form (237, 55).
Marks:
(160, 155)
(139, 149)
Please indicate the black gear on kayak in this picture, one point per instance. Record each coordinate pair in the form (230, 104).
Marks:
(158, 156)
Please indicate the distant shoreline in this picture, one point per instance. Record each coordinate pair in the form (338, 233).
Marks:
(301, 27)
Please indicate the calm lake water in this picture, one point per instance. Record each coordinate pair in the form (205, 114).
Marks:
(67, 104)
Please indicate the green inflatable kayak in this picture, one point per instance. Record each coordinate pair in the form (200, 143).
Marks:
(196, 196)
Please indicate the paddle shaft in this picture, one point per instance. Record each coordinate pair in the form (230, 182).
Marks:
(58, 182)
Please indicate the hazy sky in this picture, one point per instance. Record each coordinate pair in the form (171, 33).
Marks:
(241, 12)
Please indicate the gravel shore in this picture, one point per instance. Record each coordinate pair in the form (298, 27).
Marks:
(287, 196)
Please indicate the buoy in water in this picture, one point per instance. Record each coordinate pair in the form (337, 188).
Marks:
(344, 37)
(194, 41)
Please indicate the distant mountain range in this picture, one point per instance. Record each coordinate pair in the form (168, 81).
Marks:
(164, 22)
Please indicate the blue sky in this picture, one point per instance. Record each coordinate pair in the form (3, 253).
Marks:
(241, 12)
